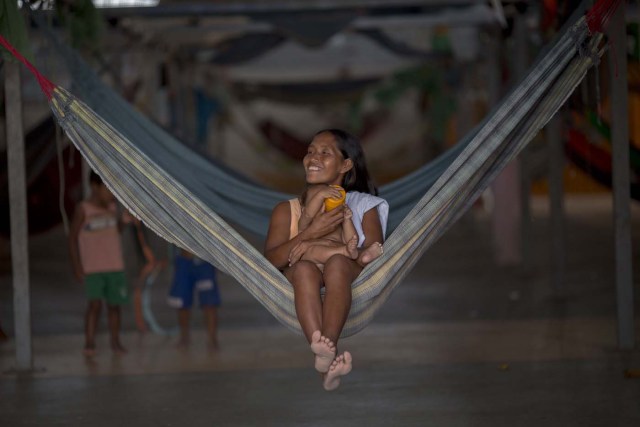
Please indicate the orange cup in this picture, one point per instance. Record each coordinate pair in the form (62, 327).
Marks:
(332, 203)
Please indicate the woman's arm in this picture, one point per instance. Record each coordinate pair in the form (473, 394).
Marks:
(315, 204)
(317, 251)
(311, 208)
(278, 246)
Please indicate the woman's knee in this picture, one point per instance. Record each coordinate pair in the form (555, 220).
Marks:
(339, 271)
(339, 264)
(303, 272)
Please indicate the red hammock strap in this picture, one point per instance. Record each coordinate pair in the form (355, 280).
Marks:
(598, 16)
(46, 86)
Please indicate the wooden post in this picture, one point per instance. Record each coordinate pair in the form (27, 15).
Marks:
(520, 65)
(621, 192)
(506, 214)
(18, 214)
(556, 201)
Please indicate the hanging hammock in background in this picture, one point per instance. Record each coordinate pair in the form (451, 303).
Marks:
(168, 203)
(235, 197)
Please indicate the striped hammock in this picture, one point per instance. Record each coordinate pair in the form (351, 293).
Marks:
(168, 204)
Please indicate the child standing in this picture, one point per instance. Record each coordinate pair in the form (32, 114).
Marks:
(96, 258)
(193, 274)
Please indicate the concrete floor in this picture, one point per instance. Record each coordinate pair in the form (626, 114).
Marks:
(461, 343)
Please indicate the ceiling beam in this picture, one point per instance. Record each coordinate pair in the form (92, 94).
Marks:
(203, 8)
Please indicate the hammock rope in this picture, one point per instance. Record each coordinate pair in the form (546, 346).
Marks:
(166, 203)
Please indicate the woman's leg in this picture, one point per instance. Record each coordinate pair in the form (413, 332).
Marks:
(306, 279)
(339, 273)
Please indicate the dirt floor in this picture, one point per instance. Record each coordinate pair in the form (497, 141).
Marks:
(462, 342)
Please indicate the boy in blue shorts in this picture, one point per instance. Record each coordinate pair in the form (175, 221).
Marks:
(191, 274)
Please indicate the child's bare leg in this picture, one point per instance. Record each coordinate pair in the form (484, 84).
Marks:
(324, 349)
(370, 253)
(211, 319)
(183, 323)
(113, 313)
(90, 326)
(341, 366)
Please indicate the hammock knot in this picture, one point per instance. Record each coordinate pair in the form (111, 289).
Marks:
(63, 110)
(576, 33)
(595, 57)
(576, 40)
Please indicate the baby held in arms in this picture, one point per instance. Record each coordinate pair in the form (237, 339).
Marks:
(341, 241)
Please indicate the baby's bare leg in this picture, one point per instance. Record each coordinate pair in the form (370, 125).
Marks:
(370, 253)
(320, 253)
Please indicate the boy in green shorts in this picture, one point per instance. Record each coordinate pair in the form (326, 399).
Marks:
(96, 257)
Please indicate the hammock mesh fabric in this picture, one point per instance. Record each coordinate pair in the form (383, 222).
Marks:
(164, 201)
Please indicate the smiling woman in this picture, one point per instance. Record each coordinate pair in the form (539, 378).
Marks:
(301, 242)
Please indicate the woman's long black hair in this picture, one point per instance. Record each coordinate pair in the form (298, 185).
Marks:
(357, 178)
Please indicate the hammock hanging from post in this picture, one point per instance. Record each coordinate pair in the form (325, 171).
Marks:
(168, 204)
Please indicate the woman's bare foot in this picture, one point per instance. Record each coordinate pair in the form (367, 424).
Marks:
(371, 253)
(339, 367)
(352, 248)
(325, 351)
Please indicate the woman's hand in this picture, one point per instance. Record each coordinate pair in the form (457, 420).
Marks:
(324, 223)
(298, 251)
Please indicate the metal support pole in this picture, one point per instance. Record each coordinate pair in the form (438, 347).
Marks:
(621, 192)
(556, 201)
(18, 215)
(506, 187)
(520, 64)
